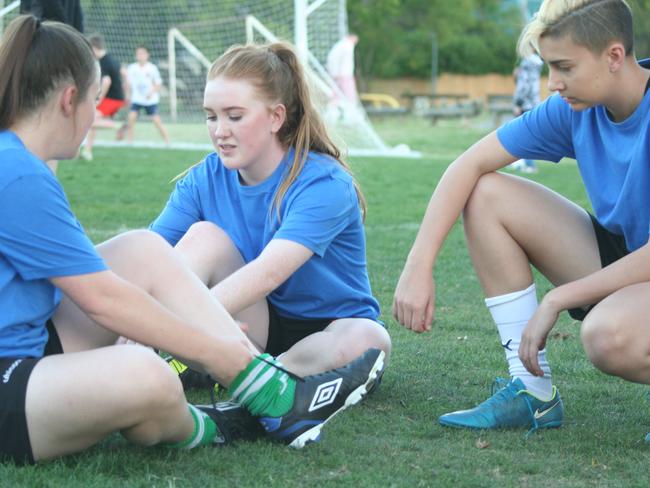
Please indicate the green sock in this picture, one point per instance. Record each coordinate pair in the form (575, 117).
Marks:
(205, 431)
(263, 389)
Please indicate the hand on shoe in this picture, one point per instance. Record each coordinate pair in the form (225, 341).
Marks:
(533, 338)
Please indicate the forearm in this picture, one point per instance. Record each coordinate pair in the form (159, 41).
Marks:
(442, 212)
(253, 282)
(451, 195)
(631, 269)
(246, 286)
(131, 312)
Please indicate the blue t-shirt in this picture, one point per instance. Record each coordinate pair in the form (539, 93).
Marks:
(39, 238)
(320, 211)
(613, 158)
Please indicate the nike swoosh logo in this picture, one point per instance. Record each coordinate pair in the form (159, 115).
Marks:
(539, 415)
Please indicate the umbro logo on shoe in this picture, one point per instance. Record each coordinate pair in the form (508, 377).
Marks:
(325, 394)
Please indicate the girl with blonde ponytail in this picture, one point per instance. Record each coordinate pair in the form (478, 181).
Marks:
(272, 222)
(599, 115)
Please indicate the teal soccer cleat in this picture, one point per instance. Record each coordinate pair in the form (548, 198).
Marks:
(511, 406)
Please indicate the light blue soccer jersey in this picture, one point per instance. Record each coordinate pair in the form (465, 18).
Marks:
(613, 158)
(320, 211)
(39, 238)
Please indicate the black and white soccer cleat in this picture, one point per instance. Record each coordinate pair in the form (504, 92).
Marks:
(320, 397)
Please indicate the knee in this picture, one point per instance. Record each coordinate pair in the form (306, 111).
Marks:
(369, 334)
(487, 189)
(142, 244)
(205, 235)
(205, 231)
(605, 342)
(381, 339)
(156, 386)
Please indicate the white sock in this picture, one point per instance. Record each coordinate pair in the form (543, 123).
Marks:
(511, 313)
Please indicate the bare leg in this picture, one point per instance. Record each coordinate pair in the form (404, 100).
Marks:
(131, 120)
(161, 128)
(87, 149)
(75, 400)
(511, 222)
(615, 334)
(104, 123)
(212, 255)
(146, 260)
(338, 344)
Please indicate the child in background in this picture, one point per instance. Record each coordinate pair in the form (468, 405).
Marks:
(144, 84)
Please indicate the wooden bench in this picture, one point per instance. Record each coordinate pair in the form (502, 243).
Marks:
(443, 105)
(500, 107)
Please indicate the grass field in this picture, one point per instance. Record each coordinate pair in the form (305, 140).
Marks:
(393, 438)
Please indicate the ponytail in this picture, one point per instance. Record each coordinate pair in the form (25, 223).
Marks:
(35, 60)
(14, 47)
(277, 73)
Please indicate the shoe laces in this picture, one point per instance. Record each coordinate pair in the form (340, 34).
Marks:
(281, 368)
(502, 389)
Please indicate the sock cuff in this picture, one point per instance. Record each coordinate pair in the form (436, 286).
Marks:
(244, 379)
(197, 434)
(509, 297)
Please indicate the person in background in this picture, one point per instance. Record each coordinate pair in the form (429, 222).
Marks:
(340, 66)
(144, 84)
(526, 97)
(111, 96)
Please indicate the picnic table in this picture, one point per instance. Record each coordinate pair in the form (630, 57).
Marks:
(500, 107)
(437, 106)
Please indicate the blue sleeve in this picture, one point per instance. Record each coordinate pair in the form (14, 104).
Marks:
(40, 235)
(318, 213)
(544, 132)
(181, 211)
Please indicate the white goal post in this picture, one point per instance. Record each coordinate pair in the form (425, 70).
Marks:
(347, 122)
(185, 36)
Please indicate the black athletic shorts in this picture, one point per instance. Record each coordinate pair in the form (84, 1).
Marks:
(611, 248)
(14, 375)
(285, 332)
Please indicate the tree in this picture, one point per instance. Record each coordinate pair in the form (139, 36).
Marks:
(641, 10)
(474, 36)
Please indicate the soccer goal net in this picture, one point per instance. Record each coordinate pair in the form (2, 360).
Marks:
(185, 36)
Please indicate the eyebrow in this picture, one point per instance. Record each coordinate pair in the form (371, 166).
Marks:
(225, 109)
(555, 62)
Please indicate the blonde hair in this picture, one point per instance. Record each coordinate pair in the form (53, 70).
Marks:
(277, 75)
(590, 23)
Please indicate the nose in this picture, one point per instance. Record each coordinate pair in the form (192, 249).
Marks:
(554, 81)
(221, 128)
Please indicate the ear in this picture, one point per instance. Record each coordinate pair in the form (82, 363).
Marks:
(615, 54)
(67, 100)
(278, 117)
